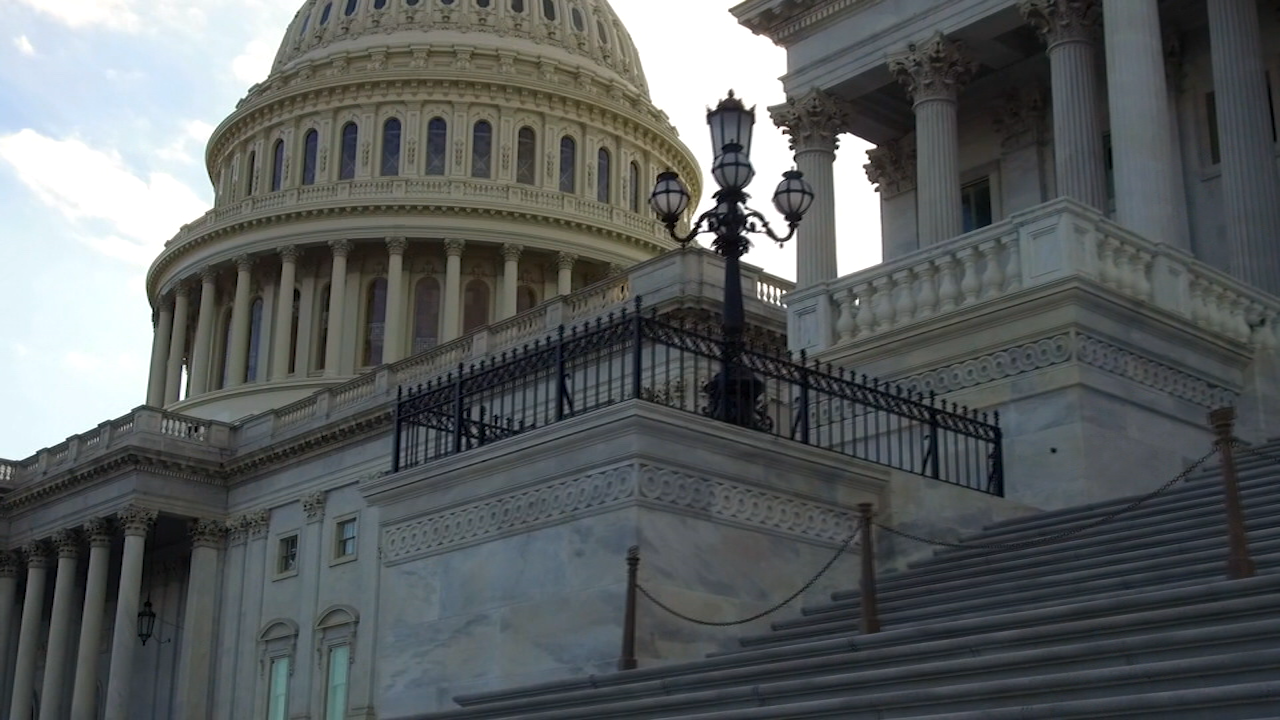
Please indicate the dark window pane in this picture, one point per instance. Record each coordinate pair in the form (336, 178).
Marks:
(481, 150)
(635, 187)
(604, 167)
(578, 24)
(549, 9)
(527, 157)
(255, 340)
(375, 321)
(391, 147)
(437, 137)
(248, 178)
(310, 145)
(517, 6)
(350, 138)
(277, 167)
(351, 8)
(568, 160)
(975, 204)
(324, 15)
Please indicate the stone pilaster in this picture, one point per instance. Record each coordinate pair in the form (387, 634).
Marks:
(177, 344)
(9, 563)
(196, 663)
(452, 289)
(933, 73)
(394, 336)
(160, 351)
(56, 664)
(282, 338)
(24, 671)
(510, 279)
(83, 695)
(814, 122)
(238, 355)
(201, 354)
(136, 522)
(337, 308)
(564, 272)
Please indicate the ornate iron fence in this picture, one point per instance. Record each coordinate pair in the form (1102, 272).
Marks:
(680, 365)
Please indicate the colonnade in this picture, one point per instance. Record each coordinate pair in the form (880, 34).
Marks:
(182, 341)
(69, 686)
(1148, 186)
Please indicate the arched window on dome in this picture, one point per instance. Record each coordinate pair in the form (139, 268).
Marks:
(426, 314)
(526, 298)
(375, 321)
(306, 23)
(527, 156)
(324, 14)
(351, 8)
(391, 147)
(635, 187)
(482, 4)
(321, 333)
(277, 166)
(310, 145)
(347, 163)
(411, 3)
(475, 306)
(248, 176)
(379, 4)
(255, 341)
(482, 150)
(602, 34)
(549, 9)
(568, 164)
(604, 179)
(576, 17)
(517, 6)
(437, 144)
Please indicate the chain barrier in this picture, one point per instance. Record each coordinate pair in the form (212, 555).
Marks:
(1253, 450)
(1059, 536)
(743, 621)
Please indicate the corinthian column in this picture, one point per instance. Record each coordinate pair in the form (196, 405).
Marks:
(1069, 29)
(238, 355)
(813, 121)
(159, 351)
(337, 308)
(56, 666)
(8, 590)
(1251, 201)
(282, 338)
(933, 72)
(136, 522)
(24, 670)
(393, 336)
(564, 272)
(510, 279)
(195, 666)
(83, 706)
(452, 289)
(1142, 147)
(200, 354)
(177, 344)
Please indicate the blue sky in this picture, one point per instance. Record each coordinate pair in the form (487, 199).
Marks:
(105, 108)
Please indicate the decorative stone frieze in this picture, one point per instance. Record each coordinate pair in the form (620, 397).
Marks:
(937, 68)
(1017, 360)
(812, 121)
(892, 167)
(136, 520)
(313, 505)
(1130, 365)
(207, 533)
(1063, 20)
(67, 543)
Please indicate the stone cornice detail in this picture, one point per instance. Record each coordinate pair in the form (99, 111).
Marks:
(136, 520)
(892, 167)
(791, 18)
(1127, 364)
(936, 69)
(1059, 21)
(135, 458)
(812, 121)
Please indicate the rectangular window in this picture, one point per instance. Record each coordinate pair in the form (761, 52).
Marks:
(975, 204)
(278, 700)
(287, 561)
(345, 539)
(1109, 168)
(1211, 127)
(335, 706)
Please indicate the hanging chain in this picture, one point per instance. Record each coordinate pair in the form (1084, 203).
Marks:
(1070, 532)
(1253, 450)
(839, 551)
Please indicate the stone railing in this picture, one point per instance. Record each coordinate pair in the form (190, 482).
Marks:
(1050, 243)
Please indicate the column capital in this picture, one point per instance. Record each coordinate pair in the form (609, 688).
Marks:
(208, 275)
(313, 505)
(813, 121)
(935, 69)
(255, 522)
(511, 252)
(453, 248)
(98, 530)
(891, 167)
(181, 289)
(165, 301)
(289, 253)
(136, 520)
(244, 263)
(67, 543)
(207, 533)
(340, 248)
(8, 564)
(1059, 21)
(565, 261)
(397, 245)
(616, 269)
(37, 553)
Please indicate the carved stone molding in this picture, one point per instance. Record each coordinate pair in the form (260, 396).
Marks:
(36, 553)
(340, 248)
(565, 261)
(9, 562)
(289, 253)
(99, 532)
(1058, 21)
(67, 543)
(983, 369)
(892, 167)
(136, 520)
(1021, 117)
(1129, 365)
(936, 69)
(313, 505)
(512, 252)
(454, 247)
(236, 530)
(244, 263)
(256, 522)
(396, 245)
(813, 121)
(207, 533)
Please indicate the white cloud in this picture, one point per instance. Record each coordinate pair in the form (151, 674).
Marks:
(24, 45)
(195, 132)
(114, 14)
(254, 62)
(93, 187)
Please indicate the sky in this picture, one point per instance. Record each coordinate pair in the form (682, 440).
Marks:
(105, 109)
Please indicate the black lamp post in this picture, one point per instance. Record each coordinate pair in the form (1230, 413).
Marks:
(734, 392)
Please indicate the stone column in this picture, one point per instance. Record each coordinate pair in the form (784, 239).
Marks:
(83, 696)
(1250, 196)
(238, 354)
(933, 72)
(564, 272)
(510, 279)
(283, 335)
(136, 522)
(394, 332)
(337, 308)
(56, 662)
(8, 593)
(452, 289)
(201, 354)
(196, 664)
(177, 345)
(1142, 148)
(24, 671)
(1069, 29)
(159, 351)
(813, 122)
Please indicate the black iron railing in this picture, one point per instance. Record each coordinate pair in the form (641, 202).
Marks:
(656, 359)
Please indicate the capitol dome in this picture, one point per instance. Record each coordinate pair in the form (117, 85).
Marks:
(409, 172)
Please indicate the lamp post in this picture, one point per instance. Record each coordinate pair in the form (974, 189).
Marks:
(734, 392)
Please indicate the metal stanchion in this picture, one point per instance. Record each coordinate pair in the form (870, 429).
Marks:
(628, 659)
(870, 614)
(1239, 564)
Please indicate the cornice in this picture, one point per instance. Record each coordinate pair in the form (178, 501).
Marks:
(787, 20)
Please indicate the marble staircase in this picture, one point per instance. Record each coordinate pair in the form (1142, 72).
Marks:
(1132, 618)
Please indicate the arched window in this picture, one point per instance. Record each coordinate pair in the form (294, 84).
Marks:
(322, 328)
(426, 314)
(324, 14)
(568, 161)
(475, 306)
(375, 319)
(255, 340)
(306, 22)
(277, 166)
(526, 298)
(310, 145)
(482, 3)
(517, 6)
(391, 147)
(549, 9)
(635, 187)
(604, 166)
(576, 15)
(351, 8)
(482, 150)
(347, 164)
(248, 176)
(526, 156)
(437, 143)
(602, 33)
(379, 4)
(335, 636)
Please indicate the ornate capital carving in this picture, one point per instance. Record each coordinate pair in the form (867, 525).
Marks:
(256, 522)
(813, 120)
(8, 564)
(208, 275)
(244, 263)
(136, 520)
(37, 553)
(1059, 21)
(396, 245)
(935, 69)
(67, 543)
(453, 248)
(1020, 116)
(616, 269)
(340, 248)
(892, 167)
(182, 289)
(207, 533)
(289, 253)
(98, 530)
(512, 252)
(313, 505)
(565, 261)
